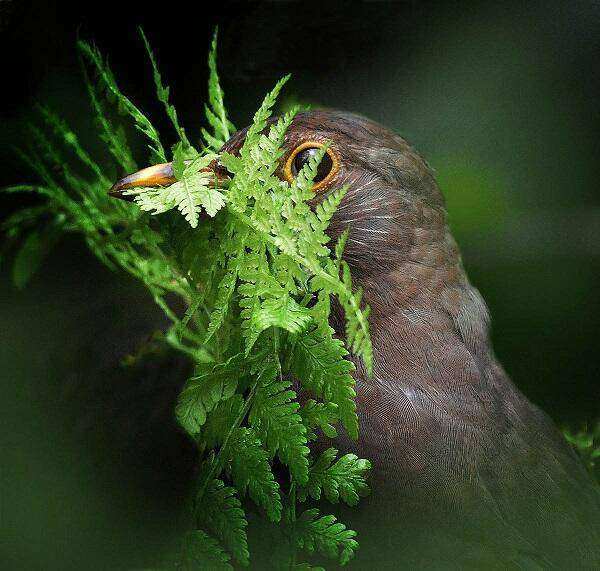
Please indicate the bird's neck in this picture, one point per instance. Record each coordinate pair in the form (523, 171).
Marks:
(428, 324)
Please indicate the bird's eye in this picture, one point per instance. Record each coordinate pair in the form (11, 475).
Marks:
(327, 168)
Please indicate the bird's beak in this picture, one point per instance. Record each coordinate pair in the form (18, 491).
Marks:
(157, 175)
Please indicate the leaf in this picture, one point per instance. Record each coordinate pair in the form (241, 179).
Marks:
(189, 195)
(232, 163)
(221, 512)
(343, 479)
(142, 123)
(357, 325)
(203, 552)
(282, 312)
(162, 93)
(201, 394)
(220, 420)
(319, 362)
(259, 121)
(245, 460)
(274, 416)
(224, 294)
(215, 112)
(325, 535)
(251, 472)
(327, 207)
(319, 415)
(212, 201)
(112, 135)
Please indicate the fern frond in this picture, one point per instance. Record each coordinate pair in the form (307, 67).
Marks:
(322, 415)
(319, 362)
(357, 324)
(113, 136)
(325, 535)
(201, 394)
(190, 194)
(259, 121)
(301, 189)
(62, 131)
(215, 112)
(221, 512)
(162, 92)
(201, 551)
(274, 416)
(282, 312)
(343, 479)
(18, 221)
(225, 292)
(327, 207)
(250, 471)
(141, 122)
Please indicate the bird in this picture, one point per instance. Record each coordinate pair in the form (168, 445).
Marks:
(467, 473)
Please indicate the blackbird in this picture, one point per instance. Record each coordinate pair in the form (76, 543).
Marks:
(467, 473)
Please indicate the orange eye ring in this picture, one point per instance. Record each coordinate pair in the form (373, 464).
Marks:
(335, 162)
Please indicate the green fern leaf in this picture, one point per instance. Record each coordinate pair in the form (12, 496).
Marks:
(250, 471)
(319, 415)
(201, 551)
(190, 194)
(162, 92)
(142, 123)
(224, 294)
(274, 416)
(220, 420)
(221, 512)
(325, 535)
(343, 479)
(201, 394)
(216, 113)
(282, 312)
(319, 362)
(260, 118)
(327, 207)
(112, 135)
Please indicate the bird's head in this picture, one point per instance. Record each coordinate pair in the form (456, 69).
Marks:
(393, 208)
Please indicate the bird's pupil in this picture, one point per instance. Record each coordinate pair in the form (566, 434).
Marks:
(302, 158)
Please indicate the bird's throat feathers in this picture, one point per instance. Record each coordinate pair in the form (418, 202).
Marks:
(428, 323)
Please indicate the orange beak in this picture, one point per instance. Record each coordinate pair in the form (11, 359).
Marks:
(157, 175)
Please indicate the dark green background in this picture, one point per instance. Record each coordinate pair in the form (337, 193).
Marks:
(501, 98)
